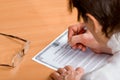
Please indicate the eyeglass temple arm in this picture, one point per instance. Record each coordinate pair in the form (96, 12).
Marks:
(13, 37)
(6, 65)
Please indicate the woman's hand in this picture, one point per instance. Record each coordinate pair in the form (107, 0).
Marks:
(67, 73)
(77, 38)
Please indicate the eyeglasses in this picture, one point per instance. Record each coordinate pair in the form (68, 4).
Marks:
(18, 57)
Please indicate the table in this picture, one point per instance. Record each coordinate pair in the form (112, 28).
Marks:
(40, 22)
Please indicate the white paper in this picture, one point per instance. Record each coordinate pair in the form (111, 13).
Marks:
(59, 54)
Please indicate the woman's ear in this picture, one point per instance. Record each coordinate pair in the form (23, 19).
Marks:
(95, 24)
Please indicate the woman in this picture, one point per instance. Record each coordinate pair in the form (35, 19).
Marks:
(102, 19)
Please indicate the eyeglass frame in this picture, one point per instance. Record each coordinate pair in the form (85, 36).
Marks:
(20, 54)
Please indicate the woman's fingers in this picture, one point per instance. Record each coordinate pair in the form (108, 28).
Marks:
(75, 40)
(68, 68)
(61, 70)
(79, 46)
(79, 70)
(67, 73)
(74, 29)
(78, 40)
(55, 75)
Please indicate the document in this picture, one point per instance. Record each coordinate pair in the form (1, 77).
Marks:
(59, 54)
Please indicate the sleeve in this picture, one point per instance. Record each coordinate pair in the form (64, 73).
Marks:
(109, 71)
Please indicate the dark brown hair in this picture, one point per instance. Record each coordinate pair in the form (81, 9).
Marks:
(107, 12)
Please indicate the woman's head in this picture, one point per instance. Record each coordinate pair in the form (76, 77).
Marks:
(105, 12)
